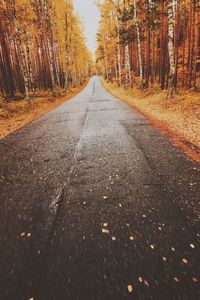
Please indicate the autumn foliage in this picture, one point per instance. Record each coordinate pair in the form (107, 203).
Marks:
(150, 42)
(42, 46)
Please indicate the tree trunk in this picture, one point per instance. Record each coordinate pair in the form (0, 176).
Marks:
(139, 47)
(172, 69)
(118, 52)
(127, 65)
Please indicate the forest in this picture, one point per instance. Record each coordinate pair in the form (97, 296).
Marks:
(150, 43)
(42, 47)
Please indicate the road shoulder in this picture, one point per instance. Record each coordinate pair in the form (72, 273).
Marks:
(16, 114)
(181, 125)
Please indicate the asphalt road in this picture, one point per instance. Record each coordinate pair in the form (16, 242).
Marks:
(97, 205)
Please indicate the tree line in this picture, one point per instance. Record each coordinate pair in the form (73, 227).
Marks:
(42, 46)
(150, 42)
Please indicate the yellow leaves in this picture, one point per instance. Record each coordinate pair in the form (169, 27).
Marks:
(25, 17)
(55, 21)
(3, 5)
(25, 235)
(141, 281)
(107, 34)
(105, 230)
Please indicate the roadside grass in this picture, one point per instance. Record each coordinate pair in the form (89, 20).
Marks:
(17, 113)
(178, 118)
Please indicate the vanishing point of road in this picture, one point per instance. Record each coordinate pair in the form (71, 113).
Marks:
(97, 205)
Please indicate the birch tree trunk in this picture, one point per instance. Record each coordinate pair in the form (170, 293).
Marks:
(106, 59)
(22, 59)
(127, 65)
(172, 69)
(118, 50)
(6, 74)
(49, 41)
(139, 47)
(119, 63)
(67, 51)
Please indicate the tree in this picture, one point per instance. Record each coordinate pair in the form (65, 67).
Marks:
(152, 42)
(171, 9)
(42, 46)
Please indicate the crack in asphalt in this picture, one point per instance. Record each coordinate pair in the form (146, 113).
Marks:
(163, 184)
(99, 212)
(63, 193)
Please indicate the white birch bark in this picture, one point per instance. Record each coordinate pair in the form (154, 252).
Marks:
(139, 46)
(119, 63)
(127, 64)
(106, 59)
(22, 60)
(118, 51)
(172, 70)
(49, 43)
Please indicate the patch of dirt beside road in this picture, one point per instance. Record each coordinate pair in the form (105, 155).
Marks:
(17, 113)
(178, 118)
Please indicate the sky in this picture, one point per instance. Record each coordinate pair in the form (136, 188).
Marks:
(89, 14)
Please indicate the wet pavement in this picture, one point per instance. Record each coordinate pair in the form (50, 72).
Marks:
(96, 204)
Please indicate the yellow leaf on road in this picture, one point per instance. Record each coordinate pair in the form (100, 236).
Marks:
(130, 288)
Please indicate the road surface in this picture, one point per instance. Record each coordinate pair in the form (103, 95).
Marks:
(97, 205)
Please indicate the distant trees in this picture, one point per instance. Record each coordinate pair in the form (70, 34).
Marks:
(42, 46)
(150, 42)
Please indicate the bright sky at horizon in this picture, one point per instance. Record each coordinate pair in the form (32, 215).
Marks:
(90, 16)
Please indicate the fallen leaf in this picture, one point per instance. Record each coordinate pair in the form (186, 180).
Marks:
(185, 261)
(131, 238)
(146, 283)
(113, 238)
(105, 230)
(130, 288)
(140, 279)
